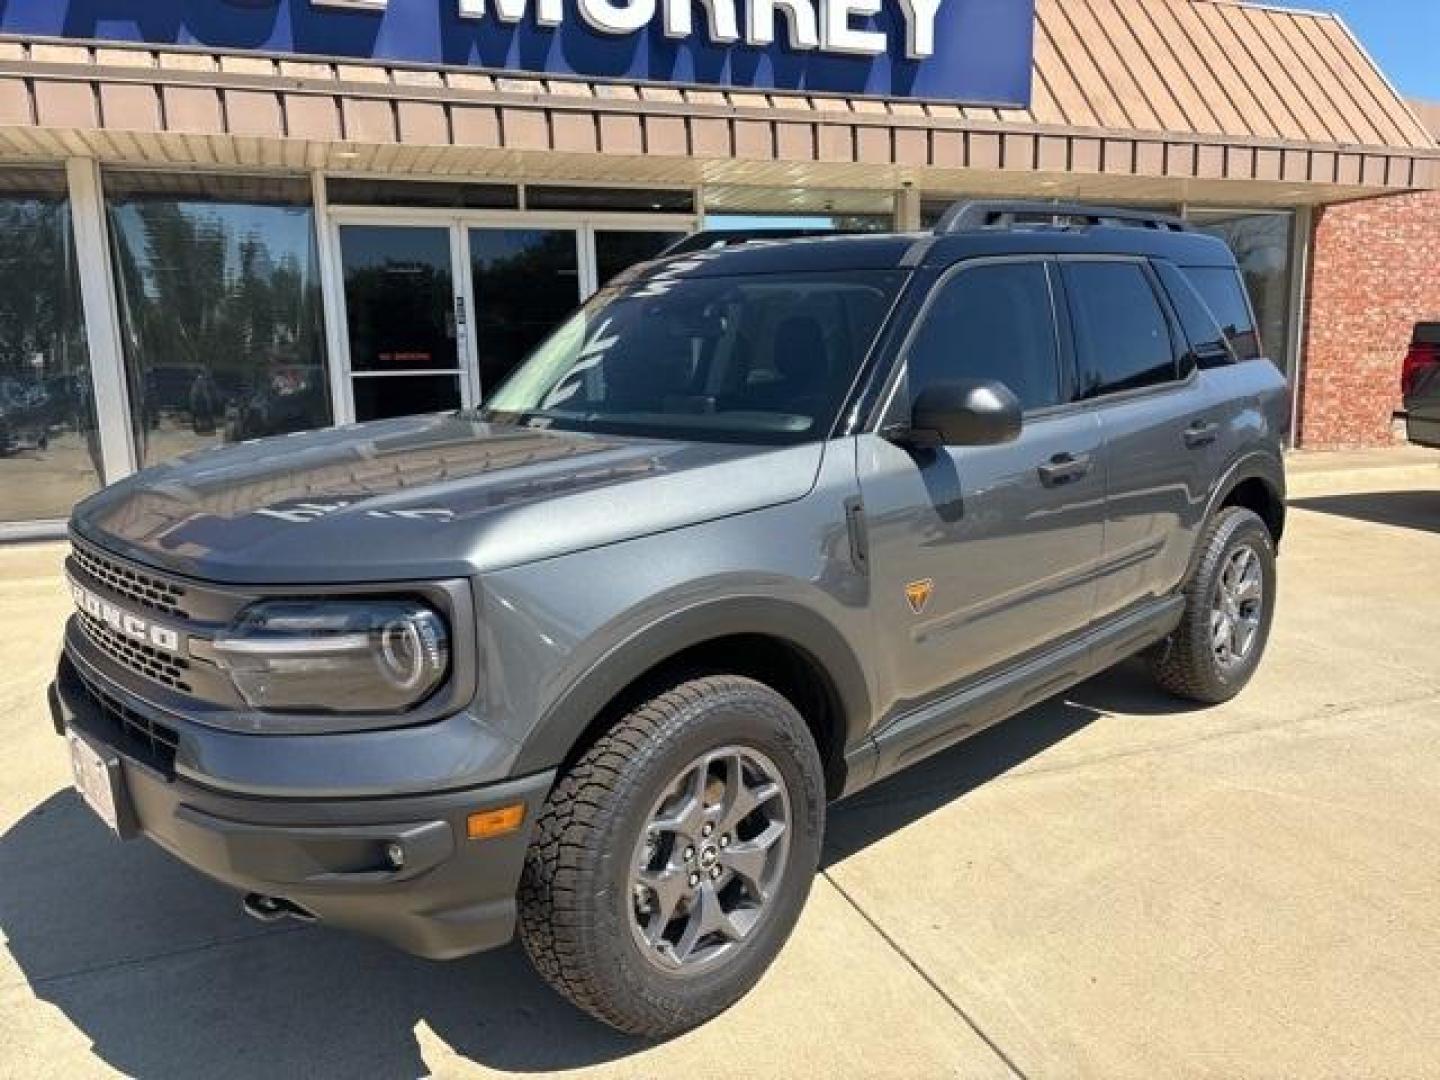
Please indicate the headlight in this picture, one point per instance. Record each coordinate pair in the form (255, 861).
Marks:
(350, 656)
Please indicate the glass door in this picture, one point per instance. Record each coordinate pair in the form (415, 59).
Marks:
(618, 249)
(525, 282)
(404, 320)
(441, 308)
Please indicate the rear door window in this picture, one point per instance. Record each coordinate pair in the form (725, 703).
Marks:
(1224, 294)
(1122, 335)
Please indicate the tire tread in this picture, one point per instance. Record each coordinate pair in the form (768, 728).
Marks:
(556, 909)
(1181, 664)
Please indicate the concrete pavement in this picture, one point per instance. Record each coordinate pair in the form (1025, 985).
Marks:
(1111, 885)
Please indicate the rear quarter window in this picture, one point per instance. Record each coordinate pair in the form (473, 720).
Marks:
(1224, 294)
(1209, 343)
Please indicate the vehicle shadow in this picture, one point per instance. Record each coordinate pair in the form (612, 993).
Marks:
(1405, 509)
(926, 786)
(158, 970)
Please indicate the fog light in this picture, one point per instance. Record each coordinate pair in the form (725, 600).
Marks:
(487, 823)
(395, 852)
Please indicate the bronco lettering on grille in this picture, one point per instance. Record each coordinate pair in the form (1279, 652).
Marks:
(127, 623)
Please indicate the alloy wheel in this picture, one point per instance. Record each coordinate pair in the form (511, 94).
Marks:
(709, 859)
(1239, 604)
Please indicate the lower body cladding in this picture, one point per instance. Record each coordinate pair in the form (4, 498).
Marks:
(402, 869)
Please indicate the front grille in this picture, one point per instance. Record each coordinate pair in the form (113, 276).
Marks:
(144, 739)
(154, 593)
(171, 671)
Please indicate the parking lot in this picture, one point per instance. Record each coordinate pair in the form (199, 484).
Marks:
(1111, 885)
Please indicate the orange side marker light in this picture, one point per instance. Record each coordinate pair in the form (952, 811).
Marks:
(485, 824)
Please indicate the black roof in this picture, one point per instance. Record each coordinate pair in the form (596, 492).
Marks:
(883, 251)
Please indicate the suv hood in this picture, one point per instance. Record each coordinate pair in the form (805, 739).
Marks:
(425, 497)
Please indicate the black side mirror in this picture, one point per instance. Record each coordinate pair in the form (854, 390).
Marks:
(970, 412)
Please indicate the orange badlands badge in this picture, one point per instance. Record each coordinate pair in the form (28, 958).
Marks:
(918, 594)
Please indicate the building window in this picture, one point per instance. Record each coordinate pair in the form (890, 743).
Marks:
(616, 250)
(49, 446)
(360, 191)
(742, 207)
(635, 200)
(1263, 244)
(220, 306)
(933, 207)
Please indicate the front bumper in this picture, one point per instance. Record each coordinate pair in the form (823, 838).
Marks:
(451, 896)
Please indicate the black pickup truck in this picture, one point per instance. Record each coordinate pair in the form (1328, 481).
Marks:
(1420, 386)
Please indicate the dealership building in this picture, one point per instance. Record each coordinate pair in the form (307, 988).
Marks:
(224, 219)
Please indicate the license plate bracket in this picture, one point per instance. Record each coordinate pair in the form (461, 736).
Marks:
(101, 783)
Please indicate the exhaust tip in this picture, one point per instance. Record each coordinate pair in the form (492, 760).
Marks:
(269, 909)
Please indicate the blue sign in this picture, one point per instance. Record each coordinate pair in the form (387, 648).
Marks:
(972, 51)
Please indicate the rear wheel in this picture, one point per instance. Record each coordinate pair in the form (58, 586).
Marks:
(1229, 606)
(672, 859)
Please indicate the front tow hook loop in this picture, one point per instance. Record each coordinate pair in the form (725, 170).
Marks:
(269, 909)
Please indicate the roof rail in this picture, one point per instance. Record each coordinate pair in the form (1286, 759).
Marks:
(709, 239)
(982, 214)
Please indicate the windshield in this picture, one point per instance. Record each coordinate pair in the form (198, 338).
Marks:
(758, 358)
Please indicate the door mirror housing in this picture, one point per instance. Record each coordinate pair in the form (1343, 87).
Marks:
(969, 412)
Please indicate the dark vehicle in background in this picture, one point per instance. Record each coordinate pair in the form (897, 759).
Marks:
(190, 396)
(27, 413)
(758, 526)
(1420, 386)
(288, 400)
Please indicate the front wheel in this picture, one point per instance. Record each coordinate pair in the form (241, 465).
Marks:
(673, 858)
(1229, 606)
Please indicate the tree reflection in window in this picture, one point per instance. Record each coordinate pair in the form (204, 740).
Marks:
(222, 317)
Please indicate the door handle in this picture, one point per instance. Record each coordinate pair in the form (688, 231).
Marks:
(1201, 433)
(1064, 469)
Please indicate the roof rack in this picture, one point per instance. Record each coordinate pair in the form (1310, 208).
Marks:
(710, 239)
(980, 215)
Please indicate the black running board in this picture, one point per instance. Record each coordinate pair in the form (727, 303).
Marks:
(940, 724)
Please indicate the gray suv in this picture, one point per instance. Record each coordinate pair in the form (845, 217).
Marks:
(761, 524)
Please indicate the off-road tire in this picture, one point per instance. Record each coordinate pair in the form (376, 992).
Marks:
(575, 891)
(1185, 663)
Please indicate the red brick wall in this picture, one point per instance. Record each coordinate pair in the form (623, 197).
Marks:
(1375, 272)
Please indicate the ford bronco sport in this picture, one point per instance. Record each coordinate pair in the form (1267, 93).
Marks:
(759, 525)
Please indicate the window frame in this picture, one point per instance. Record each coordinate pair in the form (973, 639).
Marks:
(1064, 358)
(1185, 370)
(876, 361)
(1172, 278)
(1238, 277)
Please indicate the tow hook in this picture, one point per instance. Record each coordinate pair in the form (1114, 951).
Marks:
(270, 909)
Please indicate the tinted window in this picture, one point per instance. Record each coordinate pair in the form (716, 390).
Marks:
(49, 446)
(616, 250)
(991, 322)
(1122, 338)
(1208, 342)
(219, 286)
(765, 358)
(1224, 295)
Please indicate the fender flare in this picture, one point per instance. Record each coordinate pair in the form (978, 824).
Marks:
(1255, 465)
(573, 710)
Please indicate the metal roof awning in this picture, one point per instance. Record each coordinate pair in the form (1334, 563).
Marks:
(1133, 99)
